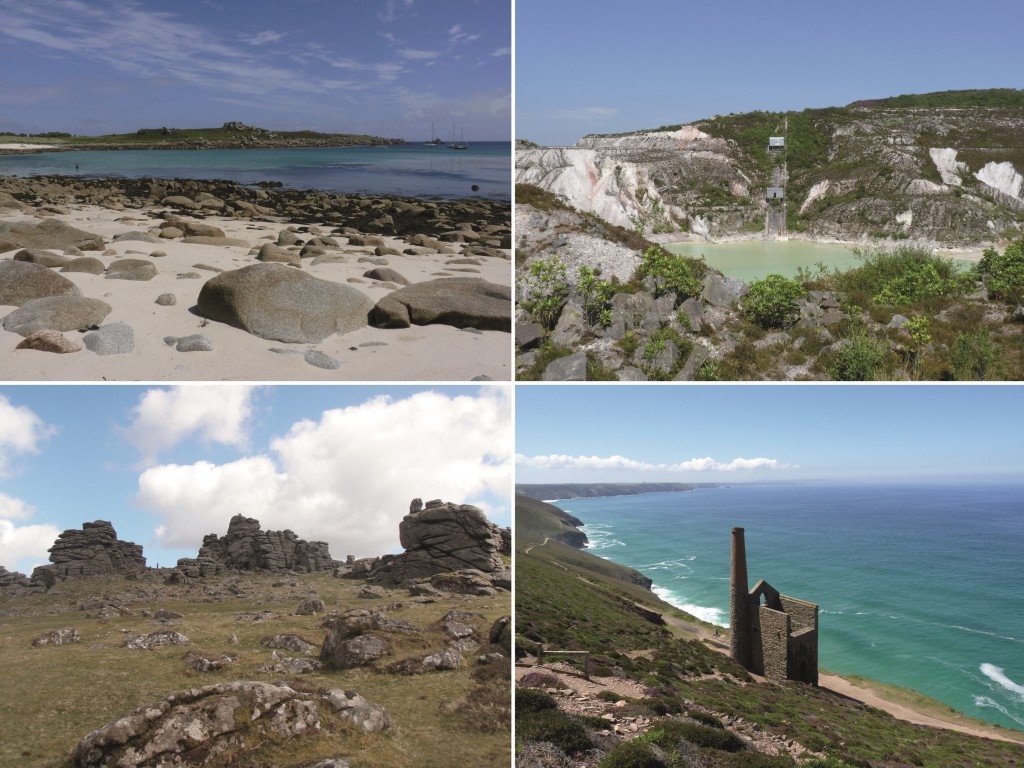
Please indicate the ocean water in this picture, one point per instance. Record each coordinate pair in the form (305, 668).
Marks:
(412, 170)
(918, 586)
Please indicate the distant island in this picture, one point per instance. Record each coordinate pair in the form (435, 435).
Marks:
(231, 135)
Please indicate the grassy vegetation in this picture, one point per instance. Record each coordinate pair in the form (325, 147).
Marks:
(988, 97)
(571, 599)
(223, 134)
(56, 695)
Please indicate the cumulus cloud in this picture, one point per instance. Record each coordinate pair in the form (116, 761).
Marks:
(346, 478)
(21, 432)
(22, 542)
(706, 464)
(165, 417)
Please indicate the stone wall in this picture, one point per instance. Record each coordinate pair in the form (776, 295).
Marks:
(773, 650)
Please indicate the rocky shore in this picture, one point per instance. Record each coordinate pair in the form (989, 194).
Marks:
(144, 272)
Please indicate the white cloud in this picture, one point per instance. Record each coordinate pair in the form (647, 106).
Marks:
(21, 431)
(14, 509)
(501, 52)
(264, 37)
(707, 464)
(416, 55)
(347, 478)
(20, 542)
(165, 417)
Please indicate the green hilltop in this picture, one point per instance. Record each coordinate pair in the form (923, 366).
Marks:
(695, 698)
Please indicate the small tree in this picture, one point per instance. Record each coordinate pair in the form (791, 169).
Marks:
(771, 302)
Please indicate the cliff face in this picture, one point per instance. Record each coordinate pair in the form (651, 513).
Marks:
(949, 175)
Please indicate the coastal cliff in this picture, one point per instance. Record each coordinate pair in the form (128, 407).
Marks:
(543, 491)
(944, 168)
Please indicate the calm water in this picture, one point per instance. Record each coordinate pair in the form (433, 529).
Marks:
(755, 259)
(917, 586)
(412, 170)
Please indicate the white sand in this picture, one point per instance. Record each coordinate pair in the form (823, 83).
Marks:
(23, 147)
(428, 353)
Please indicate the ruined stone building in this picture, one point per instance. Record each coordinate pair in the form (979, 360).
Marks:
(772, 635)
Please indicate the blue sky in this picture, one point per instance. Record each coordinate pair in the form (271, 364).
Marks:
(167, 465)
(112, 66)
(602, 66)
(769, 433)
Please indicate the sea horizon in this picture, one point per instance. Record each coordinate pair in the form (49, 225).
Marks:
(873, 555)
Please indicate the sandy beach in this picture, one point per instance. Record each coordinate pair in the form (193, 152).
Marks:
(434, 351)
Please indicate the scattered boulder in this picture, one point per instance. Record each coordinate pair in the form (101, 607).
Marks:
(58, 313)
(111, 339)
(22, 281)
(167, 300)
(88, 264)
(311, 607)
(48, 234)
(49, 341)
(281, 304)
(36, 256)
(501, 634)
(289, 643)
(358, 651)
(131, 269)
(155, 640)
(387, 275)
(195, 726)
(273, 253)
(203, 664)
(463, 302)
(57, 637)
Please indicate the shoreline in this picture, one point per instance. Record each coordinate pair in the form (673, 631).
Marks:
(186, 232)
(885, 696)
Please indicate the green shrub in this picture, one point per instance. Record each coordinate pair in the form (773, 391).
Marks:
(673, 272)
(632, 754)
(759, 760)
(905, 275)
(552, 725)
(972, 358)
(668, 734)
(1004, 274)
(771, 302)
(705, 718)
(545, 289)
(860, 360)
(532, 700)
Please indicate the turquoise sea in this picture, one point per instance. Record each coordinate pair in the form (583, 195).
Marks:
(410, 170)
(919, 586)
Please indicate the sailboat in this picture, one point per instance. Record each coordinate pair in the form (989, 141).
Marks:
(460, 144)
(434, 141)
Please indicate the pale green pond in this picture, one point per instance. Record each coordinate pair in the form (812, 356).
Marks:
(754, 259)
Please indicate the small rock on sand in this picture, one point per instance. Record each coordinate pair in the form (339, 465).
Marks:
(112, 339)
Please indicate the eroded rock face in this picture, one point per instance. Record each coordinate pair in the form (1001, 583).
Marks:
(247, 548)
(94, 550)
(445, 537)
(209, 725)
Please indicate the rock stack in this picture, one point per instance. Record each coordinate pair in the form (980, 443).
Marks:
(13, 579)
(247, 548)
(94, 550)
(440, 537)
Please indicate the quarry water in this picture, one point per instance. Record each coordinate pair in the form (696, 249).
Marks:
(749, 260)
(918, 586)
(410, 170)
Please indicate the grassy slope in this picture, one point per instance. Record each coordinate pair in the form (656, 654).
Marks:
(156, 136)
(572, 599)
(55, 696)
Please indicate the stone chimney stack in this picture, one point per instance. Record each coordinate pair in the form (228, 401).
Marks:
(739, 599)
